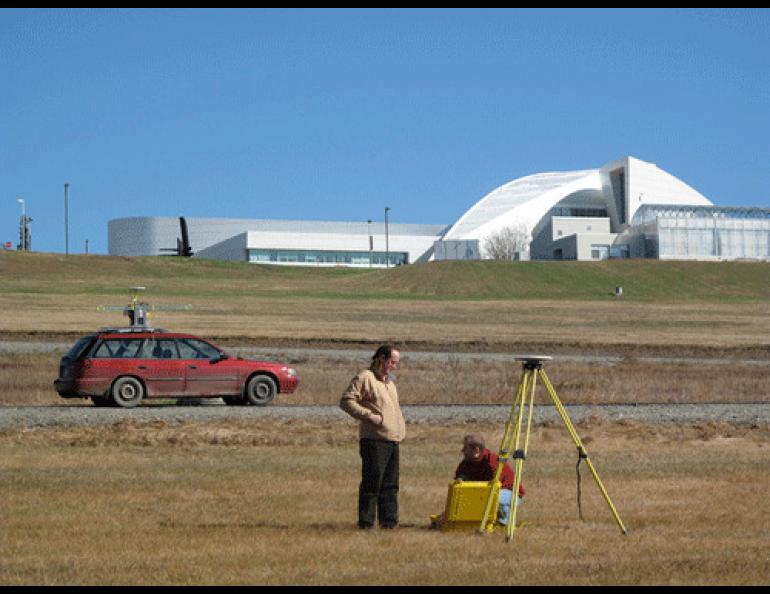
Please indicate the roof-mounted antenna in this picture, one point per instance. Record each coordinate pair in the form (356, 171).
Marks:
(138, 312)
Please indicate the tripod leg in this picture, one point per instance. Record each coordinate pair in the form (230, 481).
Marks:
(581, 449)
(520, 455)
(510, 435)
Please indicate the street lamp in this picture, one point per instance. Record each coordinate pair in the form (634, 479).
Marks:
(371, 240)
(66, 223)
(387, 247)
(23, 224)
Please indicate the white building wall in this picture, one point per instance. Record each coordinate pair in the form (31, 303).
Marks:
(645, 183)
(146, 236)
(413, 245)
(563, 226)
(586, 241)
(237, 248)
(577, 236)
(315, 241)
(232, 249)
(141, 236)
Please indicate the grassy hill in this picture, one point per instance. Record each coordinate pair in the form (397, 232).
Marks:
(718, 309)
(641, 280)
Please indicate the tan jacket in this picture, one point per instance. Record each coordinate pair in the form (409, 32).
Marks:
(365, 395)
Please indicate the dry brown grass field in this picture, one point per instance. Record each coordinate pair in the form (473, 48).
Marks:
(274, 503)
(477, 325)
(27, 379)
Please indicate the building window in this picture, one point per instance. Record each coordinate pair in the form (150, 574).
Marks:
(566, 211)
(620, 251)
(618, 182)
(600, 252)
(326, 258)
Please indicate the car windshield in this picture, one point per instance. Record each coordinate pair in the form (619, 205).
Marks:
(79, 347)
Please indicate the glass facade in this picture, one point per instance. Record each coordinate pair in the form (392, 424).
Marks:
(326, 258)
(707, 232)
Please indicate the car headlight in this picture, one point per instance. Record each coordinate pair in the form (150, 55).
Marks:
(291, 372)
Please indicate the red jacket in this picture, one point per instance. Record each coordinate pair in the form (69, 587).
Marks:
(484, 470)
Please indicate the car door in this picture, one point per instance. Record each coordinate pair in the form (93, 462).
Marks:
(206, 371)
(159, 366)
(112, 357)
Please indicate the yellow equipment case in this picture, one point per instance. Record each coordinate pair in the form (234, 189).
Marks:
(465, 505)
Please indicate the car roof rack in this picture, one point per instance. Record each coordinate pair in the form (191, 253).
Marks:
(130, 330)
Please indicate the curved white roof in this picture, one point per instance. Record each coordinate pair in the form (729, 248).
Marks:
(525, 200)
(620, 187)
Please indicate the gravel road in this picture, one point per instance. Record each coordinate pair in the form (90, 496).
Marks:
(360, 356)
(87, 415)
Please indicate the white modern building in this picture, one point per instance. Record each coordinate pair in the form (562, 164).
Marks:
(627, 208)
(298, 243)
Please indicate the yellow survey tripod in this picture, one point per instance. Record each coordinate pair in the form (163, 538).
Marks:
(532, 367)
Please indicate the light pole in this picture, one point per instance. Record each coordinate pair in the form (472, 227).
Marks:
(23, 224)
(371, 240)
(387, 246)
(66, 223)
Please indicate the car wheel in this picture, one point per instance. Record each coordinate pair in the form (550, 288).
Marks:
(127, 392)
(261, 390)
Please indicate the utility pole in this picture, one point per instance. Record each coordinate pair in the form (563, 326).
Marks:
(371, 240)
(23, 226)
(66, 223)
(387, 246)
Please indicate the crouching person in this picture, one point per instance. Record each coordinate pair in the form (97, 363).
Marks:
(480, 464)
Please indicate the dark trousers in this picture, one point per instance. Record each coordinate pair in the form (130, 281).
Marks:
(378, 493)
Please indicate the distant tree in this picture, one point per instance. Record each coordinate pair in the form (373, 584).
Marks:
(504, 244)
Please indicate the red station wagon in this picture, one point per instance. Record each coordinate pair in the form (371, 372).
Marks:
(122, 366)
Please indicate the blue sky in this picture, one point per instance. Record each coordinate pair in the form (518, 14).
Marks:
(336, 114)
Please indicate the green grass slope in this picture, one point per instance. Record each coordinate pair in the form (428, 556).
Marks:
(642, 280)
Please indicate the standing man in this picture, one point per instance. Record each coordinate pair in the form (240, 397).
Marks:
(372, 399)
